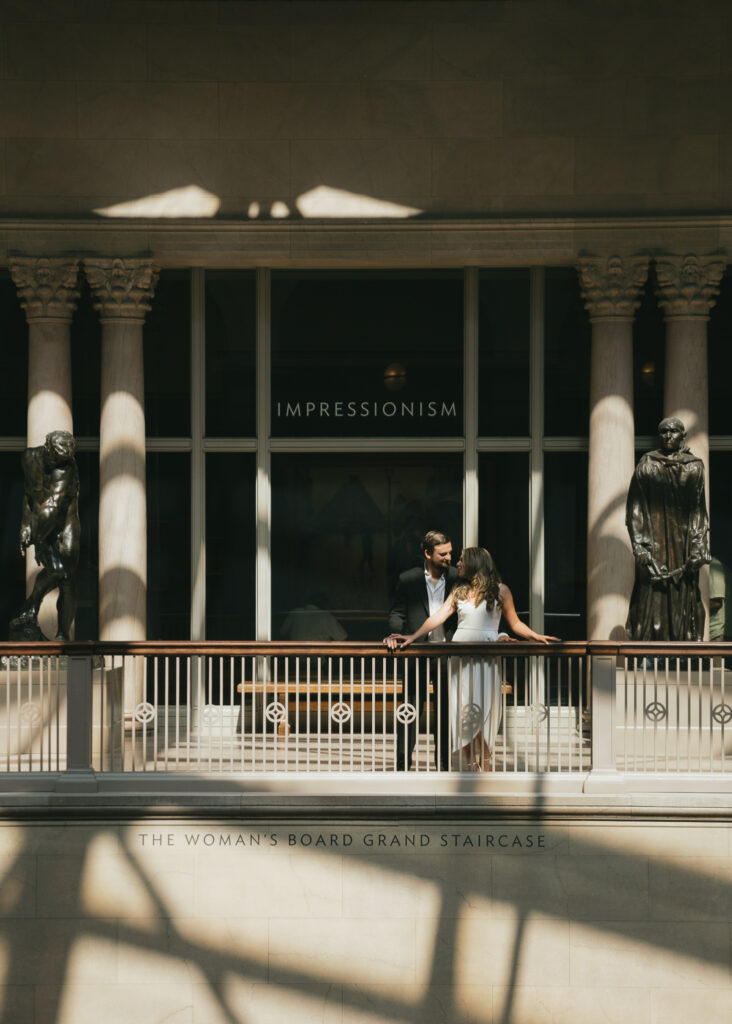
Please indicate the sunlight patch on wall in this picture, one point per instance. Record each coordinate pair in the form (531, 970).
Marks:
(112, 888)
(325, 201)
(190, 201)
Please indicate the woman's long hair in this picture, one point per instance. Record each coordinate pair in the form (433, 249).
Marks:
(482, 579)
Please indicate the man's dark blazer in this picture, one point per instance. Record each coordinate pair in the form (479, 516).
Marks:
(410, 606)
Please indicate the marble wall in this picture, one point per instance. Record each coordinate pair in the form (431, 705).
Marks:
(493, 921)
(452, 108)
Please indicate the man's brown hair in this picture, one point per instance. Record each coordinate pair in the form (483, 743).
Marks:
(432, 538)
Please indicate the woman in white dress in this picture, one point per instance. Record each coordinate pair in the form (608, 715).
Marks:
(475, 683)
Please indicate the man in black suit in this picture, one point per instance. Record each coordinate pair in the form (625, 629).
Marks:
(419, 593)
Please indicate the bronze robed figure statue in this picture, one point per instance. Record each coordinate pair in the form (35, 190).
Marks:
(51, 523)
(666, 516)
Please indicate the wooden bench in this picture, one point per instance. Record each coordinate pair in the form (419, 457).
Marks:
(300, 696)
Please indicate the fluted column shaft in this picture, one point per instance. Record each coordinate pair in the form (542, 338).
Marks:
(687, 289)
(611, 289)
(122, 292)
(48, 290)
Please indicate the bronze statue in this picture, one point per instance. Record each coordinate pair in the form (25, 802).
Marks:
(666, 516)
(51, 523)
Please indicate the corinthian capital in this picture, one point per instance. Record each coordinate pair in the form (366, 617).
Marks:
(48, 288)
(688, 285)
(611, 285)
(122, 288)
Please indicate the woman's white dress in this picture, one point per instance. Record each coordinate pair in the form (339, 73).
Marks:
(475, 683)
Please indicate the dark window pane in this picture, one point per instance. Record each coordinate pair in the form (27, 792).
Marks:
(567, 357)
(86, 365)
(367, 354)
(649, 345)
(230, 546)
(13, 361)
(168, 546)
(504, 520)
(720, 541)
(345, 526)
(720, 360)
(231, 323)
(87, 578)
(167, 335)
(503, 322)
(12, 563)
(565, 565)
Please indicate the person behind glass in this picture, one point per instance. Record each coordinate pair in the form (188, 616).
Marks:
(480, 599)
(421, 592)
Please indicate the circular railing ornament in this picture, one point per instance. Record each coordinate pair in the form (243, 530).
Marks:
(722, 713)
(655, 711)
(276, 712)
(144, 712)
(210, 714)
(406, 713)
(472, 717)
(539, 713)
(30, 712)
(341, 712)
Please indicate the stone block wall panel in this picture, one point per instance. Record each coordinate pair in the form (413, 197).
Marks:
(547, 107)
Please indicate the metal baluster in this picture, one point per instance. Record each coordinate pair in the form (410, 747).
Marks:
(319, 713)
(372, 688)
(383, 709)
(18, 705)
(253, 665)
(363, 714)
(711, 715)
(157, 708)
(678, 713)
(307, 714)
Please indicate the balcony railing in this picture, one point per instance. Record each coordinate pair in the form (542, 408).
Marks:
(270, 709)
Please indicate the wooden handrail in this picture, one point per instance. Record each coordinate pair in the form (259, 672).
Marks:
(667, 649)
(248, 648)
(352, 649)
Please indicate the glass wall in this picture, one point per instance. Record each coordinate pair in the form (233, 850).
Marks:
(504, 304)
(565, 539)
(568, 338)
(367, 354)
(167, 337)
(370, 440)
(345, 526)
(504, 520)
(13, 361)
(231, 546)
(230, 344)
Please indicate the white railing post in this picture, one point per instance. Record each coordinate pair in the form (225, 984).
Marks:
(79, 715)
(604, 774)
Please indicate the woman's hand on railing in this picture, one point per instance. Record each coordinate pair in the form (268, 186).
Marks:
(396, 641)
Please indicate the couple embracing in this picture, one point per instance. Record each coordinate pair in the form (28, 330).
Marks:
(463, 605)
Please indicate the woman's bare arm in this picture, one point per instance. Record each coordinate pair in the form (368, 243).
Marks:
(515, 624)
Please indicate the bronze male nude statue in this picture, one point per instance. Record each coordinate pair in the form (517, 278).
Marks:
(51, 523)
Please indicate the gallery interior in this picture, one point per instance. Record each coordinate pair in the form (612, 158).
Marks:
(305, 280)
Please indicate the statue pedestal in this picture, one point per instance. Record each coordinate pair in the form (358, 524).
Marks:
(33, 715)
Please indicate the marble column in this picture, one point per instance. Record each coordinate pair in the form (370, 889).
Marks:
(687, 288)
(48, 289)
(611, 288)
(122, 291)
